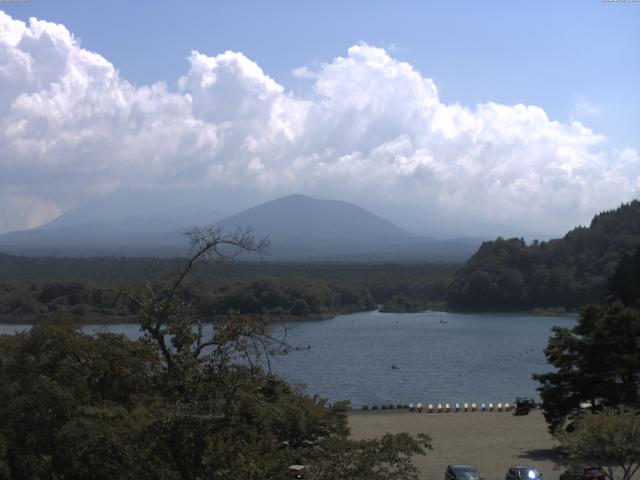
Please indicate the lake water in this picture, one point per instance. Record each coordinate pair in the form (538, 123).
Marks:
(440, 357)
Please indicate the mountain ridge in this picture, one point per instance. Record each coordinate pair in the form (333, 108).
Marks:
(300, 228)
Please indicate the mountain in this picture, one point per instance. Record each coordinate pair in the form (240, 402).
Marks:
(126, 222)
(304, 228)
(567, 272)
(323, 225)
(164, 209)
(300, 228)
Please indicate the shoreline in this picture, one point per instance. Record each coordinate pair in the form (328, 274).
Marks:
(97, 320)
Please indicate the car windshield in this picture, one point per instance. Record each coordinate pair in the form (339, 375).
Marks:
(529, 473)
(592, 471)
(467, 473)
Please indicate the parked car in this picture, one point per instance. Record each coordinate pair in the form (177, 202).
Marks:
(523, 405)
(583, 472)
(521, 472)
(462, 472)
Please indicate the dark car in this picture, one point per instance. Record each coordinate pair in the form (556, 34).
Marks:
(523, 405)
(462, 472)
(583, 472)
(521, 472)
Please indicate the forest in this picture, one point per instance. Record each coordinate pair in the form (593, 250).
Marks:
(508, 274)
(505, 274)
(87, 289)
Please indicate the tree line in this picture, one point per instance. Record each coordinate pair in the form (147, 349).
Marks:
(508, 274)
(87, 288)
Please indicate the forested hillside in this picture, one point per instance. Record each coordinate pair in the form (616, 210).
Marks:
(508, 274)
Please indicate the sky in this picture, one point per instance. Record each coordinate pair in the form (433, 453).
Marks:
(437, 115)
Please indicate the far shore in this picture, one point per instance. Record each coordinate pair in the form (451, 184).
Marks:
(29, 320)
(491, 441)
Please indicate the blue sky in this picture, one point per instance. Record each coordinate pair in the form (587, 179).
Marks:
(560, 55)
(437, 115)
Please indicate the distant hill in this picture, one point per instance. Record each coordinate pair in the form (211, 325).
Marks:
(320, 226)
(300, 228)
(567, 272)
(158, 209)
(130, 223)
(305, 228)
(125, 237)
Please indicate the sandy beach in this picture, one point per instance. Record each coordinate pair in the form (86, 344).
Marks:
(491, 441)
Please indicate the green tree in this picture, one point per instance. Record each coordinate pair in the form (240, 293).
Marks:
(186, 401)
(377, 459)
(53, 377)
(5, 471)
(624, 284)
(596, 362)
(610, 438)
(299, 307)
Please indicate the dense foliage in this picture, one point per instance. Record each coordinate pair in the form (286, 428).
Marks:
(610, 439)
(74, 406)
(176, 404)
(598, 361)
(624, 284)
(87, 288)
(567, 272)
(412, 302)
(281, 297)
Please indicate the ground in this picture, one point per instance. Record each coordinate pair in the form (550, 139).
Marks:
(491, 441)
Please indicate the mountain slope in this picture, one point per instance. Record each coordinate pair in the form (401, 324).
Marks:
(123, 205)
(567, 272)
(300, 228)
(313, 223)
(122, 223)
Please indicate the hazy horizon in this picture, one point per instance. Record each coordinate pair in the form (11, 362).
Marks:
(155, 205)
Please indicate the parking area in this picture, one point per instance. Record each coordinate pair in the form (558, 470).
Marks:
(491, 441)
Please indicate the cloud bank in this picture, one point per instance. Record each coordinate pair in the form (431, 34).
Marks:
(370, 129)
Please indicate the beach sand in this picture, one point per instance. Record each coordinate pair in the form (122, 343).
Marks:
(491, 441)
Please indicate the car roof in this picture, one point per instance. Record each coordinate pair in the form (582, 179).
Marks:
(462, 465)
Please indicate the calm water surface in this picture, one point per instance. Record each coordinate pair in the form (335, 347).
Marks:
(441, 357)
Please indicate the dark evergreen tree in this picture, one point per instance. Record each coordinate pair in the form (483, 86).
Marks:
(624, 284)
(597, 361)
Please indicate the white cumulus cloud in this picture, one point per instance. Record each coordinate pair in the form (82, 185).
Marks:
(370, 129)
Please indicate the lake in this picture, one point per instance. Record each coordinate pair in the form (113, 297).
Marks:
(440, 357)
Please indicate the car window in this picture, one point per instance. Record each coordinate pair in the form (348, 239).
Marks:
(592, 471)
(467, 474)
(523, 473)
